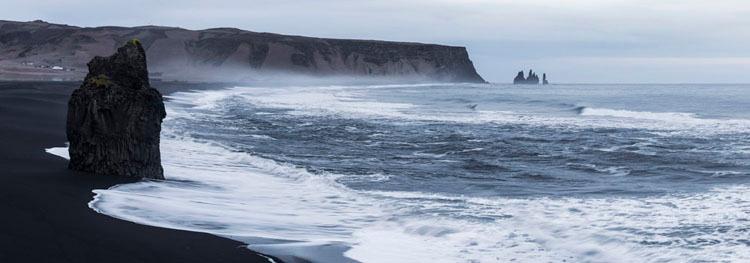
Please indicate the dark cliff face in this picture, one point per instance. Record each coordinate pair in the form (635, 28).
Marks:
(181, 54)
(114, 118)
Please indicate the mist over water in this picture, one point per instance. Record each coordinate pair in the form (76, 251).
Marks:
(457, 172)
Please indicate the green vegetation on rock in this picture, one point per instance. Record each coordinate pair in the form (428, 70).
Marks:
(100, 81)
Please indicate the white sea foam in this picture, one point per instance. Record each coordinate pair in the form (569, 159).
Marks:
(58, 151)
(674, 119)
(674, 228)
(214, 189)
(260, 136)
(354, 102)
(659, 116)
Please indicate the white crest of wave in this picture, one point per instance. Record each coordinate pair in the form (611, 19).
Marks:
(304, 100)
(659, 116)
(678, 122)
(357, 102)
(214, 189)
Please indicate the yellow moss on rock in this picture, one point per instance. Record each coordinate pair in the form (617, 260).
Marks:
(100, 81)
(134, 41)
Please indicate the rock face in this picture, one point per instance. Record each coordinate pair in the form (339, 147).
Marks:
(226, 54)
(532, 79)
(519, 79)
(544, 79)
(114, 118)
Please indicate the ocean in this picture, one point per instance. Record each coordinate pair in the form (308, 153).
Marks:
(457, 172)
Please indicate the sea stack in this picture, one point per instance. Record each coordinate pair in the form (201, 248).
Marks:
(114, 117)
(532, 79)
(519, 79)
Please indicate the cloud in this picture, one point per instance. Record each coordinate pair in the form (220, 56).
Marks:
(501, 34)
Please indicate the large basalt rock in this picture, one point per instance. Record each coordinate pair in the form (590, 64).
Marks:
(114, 118)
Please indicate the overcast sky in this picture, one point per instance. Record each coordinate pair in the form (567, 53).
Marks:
(573, 41)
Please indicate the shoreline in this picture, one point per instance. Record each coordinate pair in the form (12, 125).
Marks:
(46, 217)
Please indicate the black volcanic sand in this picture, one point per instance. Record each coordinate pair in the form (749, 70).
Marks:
(44, 213)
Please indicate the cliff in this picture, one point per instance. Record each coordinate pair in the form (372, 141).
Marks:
(114, 118)
(42, 50)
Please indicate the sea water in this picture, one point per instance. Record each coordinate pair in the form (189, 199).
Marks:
(457, 172)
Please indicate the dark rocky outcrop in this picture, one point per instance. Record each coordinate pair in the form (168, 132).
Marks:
(532, 79)
(519, 79)
(114, 118)
(31, 49)
(544, 79)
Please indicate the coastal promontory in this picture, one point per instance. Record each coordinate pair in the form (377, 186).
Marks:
(115, 116)
(43, 51)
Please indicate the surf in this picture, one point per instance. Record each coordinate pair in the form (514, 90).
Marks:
(251, 164)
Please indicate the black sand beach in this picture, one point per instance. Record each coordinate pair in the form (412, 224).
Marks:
(44, 215)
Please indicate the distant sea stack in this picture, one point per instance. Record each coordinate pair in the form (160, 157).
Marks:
(42, 50)
(532, 79)
(114, 118)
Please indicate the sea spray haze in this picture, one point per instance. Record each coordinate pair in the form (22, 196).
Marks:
(457, 172)
(30, 50)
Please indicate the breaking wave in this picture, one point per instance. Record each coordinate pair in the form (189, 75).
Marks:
(288, 208)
